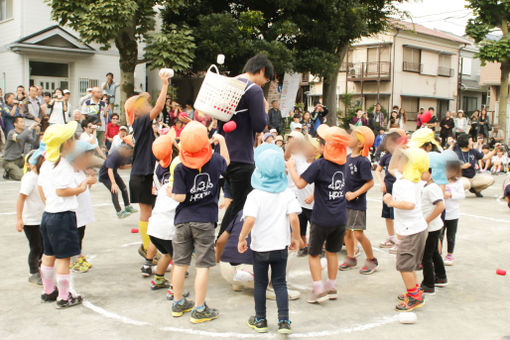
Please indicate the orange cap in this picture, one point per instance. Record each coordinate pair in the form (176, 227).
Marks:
(366, 136)
(337, 140)
(133, 103)
(162, 150)
(195, 146)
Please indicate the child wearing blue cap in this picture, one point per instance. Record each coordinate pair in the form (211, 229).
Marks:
(268, 210)
(432, 205)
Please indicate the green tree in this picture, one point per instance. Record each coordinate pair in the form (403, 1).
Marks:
(125, 24)
(490, 15)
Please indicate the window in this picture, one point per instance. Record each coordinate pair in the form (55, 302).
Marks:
(5, 9)
(85, 83)
(444, 68)
(466, 65)
(410, 104)
(469, 104)
(412, 60)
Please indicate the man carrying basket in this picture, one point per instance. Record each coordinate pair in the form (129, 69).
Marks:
(250, 118)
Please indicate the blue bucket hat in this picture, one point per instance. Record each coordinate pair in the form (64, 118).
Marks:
(269, 174)
(38, 153)
(437, 162)
(80, 147)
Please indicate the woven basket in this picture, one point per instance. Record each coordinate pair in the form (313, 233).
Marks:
(219, 95)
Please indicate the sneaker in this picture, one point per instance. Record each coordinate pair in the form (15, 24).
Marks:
(448, 260)
(393, 250)
(70, 302)
(292, 294)
(318, 297)
(348, 264)
(162, 285)
(207, 314)
(129, 209)
(35, 279)
(146, 271)
(428, 290)
(410, 303)
(239, 288)
(370, 267)
(52, 297)
(441, 282)
(387, 244)
(332, 294)
(477, 193)
(178, 309)
(260, 326)
(302, 252)
(284, 327)
(170, 294)
(122, 214)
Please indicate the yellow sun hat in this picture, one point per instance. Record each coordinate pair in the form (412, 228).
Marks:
(54, 136)
(417, 163)
(423, 136)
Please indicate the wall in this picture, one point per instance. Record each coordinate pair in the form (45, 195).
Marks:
(490, 74)
(11, 71)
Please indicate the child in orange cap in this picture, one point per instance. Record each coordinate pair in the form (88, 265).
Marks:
(140, 115)
(196, 187)
(358, 179)
(58, 226)
(329, 211)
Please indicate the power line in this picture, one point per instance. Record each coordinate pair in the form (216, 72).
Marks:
(441, 13)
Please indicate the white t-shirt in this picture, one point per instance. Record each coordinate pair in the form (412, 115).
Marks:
(60, 177)
(85, 211)
(34, 206)
(432, 195)
(452, 204)
(57, 113)
(503, 159)
(86, 138)
(408, 222)
(161, 222)
(301, 194)
(271, 211)
(116, 142)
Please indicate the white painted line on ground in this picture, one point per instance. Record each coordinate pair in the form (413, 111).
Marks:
(231, 335)
(94, 205)
(357, 328)
(130, 244)
(114, 316)
(486, 218)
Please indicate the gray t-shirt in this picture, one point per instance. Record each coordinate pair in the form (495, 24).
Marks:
(15, 143)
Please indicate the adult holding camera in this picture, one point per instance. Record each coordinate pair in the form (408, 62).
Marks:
(10, 110)
(318, 115)
(109, 88)
(57, 108)
(16, 140)
(376, 121)
(32, 108)
(95, 110)
(251, 118)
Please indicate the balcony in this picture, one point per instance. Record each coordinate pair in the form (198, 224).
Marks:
(412, 67)
(445, 71)
(370, 71)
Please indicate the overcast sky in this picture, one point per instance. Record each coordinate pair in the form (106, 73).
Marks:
(445, 15)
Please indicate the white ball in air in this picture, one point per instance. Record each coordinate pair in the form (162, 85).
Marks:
(166, 71)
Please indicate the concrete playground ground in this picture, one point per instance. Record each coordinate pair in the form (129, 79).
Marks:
(118, 303)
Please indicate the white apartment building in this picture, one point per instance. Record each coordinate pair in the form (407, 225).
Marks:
(35, 50)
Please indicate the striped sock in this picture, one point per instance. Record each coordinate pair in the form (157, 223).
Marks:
(413, 292)
(159, 278)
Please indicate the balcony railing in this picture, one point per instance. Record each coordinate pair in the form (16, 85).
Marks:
(370, 71)
(412, 67)
(445, 71)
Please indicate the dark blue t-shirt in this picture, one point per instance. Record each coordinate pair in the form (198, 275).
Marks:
(250, 119)
(230, 253)
(201, 189)
(472, 156)
(389, 179)
(329, 193)
(113, 161)
(358, 171)
(143, 159)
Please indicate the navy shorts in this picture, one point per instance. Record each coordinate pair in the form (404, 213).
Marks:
(164, 246)
(60, 234)
(140, 190)
(387, 212)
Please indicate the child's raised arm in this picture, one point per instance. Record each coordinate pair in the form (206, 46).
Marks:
(298, 181)
(160, 103)
(223, 147)
(248, 224)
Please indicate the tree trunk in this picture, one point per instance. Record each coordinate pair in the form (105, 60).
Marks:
(503, 97)
(329, 85)
(128, 56)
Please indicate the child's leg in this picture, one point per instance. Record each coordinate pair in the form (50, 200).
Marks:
(260, 282)
(48, 273)
(390, 228)
(33, 235)
(81, 234)
(163, 264)
(409, 279)
(332, 259)
(145, 214)
(360, 236)
(115, 197)
(451, 231)
(63, 278)
(439, 269)
(428, 266)
(178, 275)
(201, 282)
(278, 279)
(303, 224)
(315, 267)
(349, 243)
(123, 189)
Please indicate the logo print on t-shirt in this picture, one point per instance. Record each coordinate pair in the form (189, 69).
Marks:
(353, 168)
(202, 186)
(337, 186)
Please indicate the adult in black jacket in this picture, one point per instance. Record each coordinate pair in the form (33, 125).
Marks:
(275, 117)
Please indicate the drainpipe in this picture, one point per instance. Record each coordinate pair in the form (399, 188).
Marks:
(393, 66)
(460, 64)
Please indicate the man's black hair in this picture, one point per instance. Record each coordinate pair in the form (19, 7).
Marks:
(15, 120)
(109, 74)
(7, 95)
(46, 94)
(20, 86)
(463, 140)
(431, 108)
(274, 101)
(257, 63)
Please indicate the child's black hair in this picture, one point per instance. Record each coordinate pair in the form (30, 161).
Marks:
(392, 136)
(463, 140)
(257, 63)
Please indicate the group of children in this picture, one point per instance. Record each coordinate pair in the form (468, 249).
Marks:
(322, 181)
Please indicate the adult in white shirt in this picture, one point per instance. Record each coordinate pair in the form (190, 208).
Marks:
(119, 138)
(89, 135)
(461, 123)
(58, 108)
